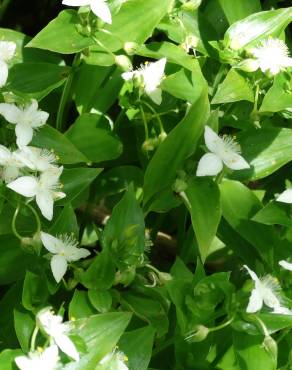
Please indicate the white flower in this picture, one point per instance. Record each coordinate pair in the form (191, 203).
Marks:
(7, 51)
(266, 291)
(99, 7)
(285, 197)
(271, 55)
(58, 331)
(64, 250)
(36, 159)
(10, 163)
(43, 188)
(46, 360)
(150, 76)
(223, 150)
(26, 119)
(114, 360)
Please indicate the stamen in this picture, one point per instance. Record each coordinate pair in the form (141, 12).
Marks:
(231, 144)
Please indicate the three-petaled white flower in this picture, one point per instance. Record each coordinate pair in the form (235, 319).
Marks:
(271, 55)
(266, 291)
(114, 360)
(25, 118)
(7, 51)
(11, 164)
(58, 331)
(285, 197)
(223, 151)
(36, 159)
(44, 188)
(46, 360)
(64, 250)
(150, 77)
(99, 7)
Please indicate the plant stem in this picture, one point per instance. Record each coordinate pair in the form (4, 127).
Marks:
(66, 93)
(13, 224)
(155, 114)
(33, 338)
(144, 122)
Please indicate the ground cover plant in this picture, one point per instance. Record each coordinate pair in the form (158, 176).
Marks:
(145, 195)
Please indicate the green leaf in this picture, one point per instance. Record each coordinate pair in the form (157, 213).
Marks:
(61, 35)
(100, 274)
(26, 55)
(65, 223)
(24, 323)
(250, 352)
(80, 305)
(279, 96)
(7, 358)
(35, 292)
(257, 26)
(91, 135)
(238, 9)
(204, 205)
(266, 150)
(239, 205)
(101, 334)
(76, 180)
(102, 301)
(135, 22)
(235, 87)
(49, 138)
(182, 85)
(179, 144)
(137, 346)
(124, 233)
(275, 213)
(13, 260)
(36, 80)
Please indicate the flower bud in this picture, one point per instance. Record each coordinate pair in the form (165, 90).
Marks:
(150, 144)
(191, 5)
(131, 47)
(248, 65)
(199, 334)
(179, 186)
(125, 277)
(271, 347)
(123, 62)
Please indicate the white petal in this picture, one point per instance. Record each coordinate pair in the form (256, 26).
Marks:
(67, 346)
(282, 310)
(50, 177)
(10, 112)
(7, 50)
(213, 142)
(52, 244)
(45, 201)
(270, 299)
(50, 356)
(24, 134)
(255, 302)
(76, 2)
(285, 197)
(25, 185)
(5, 154)
(153, 73)
(75, 254)
(234, 161)
(23, 362)
(209, 165)
(286, 265)
(155, 95)
(101, 10)
(3, 73)
(59, 268)
(128, 75)
(59, 195)
(10, 173)
(39, 118)
(252, 274)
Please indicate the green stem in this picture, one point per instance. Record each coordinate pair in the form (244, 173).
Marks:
(13, 224)
(144, 122)
(66, 94)
(155, 115)
(33, 339)
(36, 216)
(104, 47)
(3, 7)
(222, 326)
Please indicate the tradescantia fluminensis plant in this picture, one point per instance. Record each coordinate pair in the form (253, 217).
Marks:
(145, 196)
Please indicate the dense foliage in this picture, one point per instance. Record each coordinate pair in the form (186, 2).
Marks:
(145, 194)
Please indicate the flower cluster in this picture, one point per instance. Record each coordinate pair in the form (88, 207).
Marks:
(29, 171)
(7, 52)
